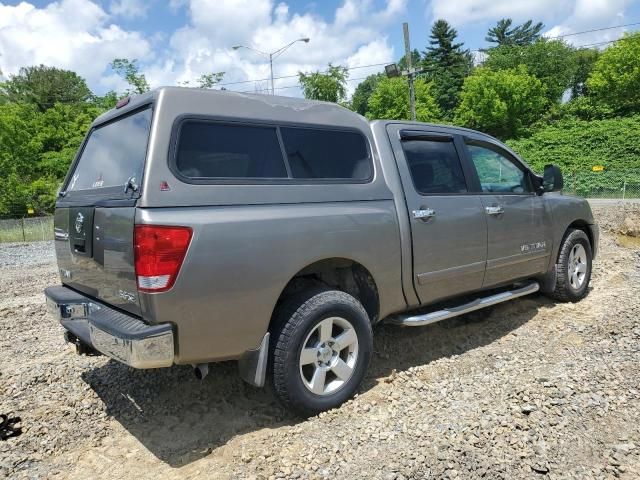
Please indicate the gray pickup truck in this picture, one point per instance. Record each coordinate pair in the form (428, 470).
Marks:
(197, 226)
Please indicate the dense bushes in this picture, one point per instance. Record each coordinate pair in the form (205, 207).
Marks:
(36, 149)
(577, 145)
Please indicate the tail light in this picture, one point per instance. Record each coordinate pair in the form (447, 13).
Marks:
(159, 251)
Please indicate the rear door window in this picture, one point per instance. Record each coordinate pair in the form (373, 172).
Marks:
(113, 154)
(327, 154)
(210, 150)
(435, 166)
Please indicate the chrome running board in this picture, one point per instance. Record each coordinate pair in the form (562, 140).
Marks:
(477, 304)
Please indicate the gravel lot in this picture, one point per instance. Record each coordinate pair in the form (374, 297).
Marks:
(525, 390)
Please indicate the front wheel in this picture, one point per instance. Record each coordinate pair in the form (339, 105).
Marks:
(573, 268)
(321, 350)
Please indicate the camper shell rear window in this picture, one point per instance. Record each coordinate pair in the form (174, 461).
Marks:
(113, 154)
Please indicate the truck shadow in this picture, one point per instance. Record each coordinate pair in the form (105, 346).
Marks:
(180, 419)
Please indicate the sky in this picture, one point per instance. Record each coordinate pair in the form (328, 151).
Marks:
(176, 41)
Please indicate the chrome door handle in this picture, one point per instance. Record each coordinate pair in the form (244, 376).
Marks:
(424, 214)
(494, 210)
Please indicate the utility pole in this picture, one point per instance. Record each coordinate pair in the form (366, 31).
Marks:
(407, 51)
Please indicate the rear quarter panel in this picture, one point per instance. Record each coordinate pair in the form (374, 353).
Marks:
(241, 258)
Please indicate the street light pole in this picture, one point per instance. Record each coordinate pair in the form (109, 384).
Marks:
(272, 55)
(271, 72)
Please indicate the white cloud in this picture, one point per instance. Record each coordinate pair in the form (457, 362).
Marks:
(130, 8)
(80, 35)
(352, 38)
(560, 16)
(175, 5)
(460, 12)
(375, 52)
(592, 15)
(70, 34)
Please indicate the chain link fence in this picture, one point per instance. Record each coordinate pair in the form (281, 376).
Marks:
(615, 184)
(26, 229)
(620, 184)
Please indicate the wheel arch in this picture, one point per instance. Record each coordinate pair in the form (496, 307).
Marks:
(339, 273)
(580, 225)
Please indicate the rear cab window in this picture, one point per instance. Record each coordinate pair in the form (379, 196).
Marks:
(113, 155)
(207, 151)
(434, 166)
(327, 154)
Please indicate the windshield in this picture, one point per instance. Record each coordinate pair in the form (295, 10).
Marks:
(113, 154)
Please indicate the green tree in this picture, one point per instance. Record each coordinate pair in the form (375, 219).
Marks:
(106, 101)
(329, 86)
(61, 130)
(19, 155)
(551, 61)
(615, 79)
(503, 103)
(362, 93)
(446, 64)
(504, 34)
(585, 60)
(415, 60)
(44, 86)
(390, 100)
(206, 80)
(584, 107)
(21, 144)
(129, 70)
(37, 149)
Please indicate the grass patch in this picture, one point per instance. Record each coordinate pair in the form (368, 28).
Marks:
(26, 229)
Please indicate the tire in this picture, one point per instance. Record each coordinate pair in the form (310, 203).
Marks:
(574, 251)
(309, 329)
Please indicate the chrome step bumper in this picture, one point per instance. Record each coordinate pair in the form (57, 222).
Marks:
(477, 304)
(120, 336)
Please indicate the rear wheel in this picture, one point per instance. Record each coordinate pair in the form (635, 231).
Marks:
(321, 350)
(573, 267)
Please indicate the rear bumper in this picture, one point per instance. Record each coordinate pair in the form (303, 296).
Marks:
(120, 336)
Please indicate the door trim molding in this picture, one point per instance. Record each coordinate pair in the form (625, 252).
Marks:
(447, 273)
(517, 258)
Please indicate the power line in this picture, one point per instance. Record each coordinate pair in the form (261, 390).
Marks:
(386, 63)
(594, 30)
(295, 76)
(424, 69)
(297, 85)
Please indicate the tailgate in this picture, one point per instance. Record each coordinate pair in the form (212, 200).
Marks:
(94, 247)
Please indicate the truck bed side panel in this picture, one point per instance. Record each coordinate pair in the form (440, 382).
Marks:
(242, 257)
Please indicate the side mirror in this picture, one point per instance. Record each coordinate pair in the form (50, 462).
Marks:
(552, 179)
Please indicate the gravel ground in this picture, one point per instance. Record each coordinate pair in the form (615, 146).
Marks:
(525, 390)
(26, 254)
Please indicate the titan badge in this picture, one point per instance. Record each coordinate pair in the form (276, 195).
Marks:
(533, 247)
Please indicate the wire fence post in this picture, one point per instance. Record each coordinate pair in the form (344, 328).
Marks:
(24, 237)
(624, 188)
